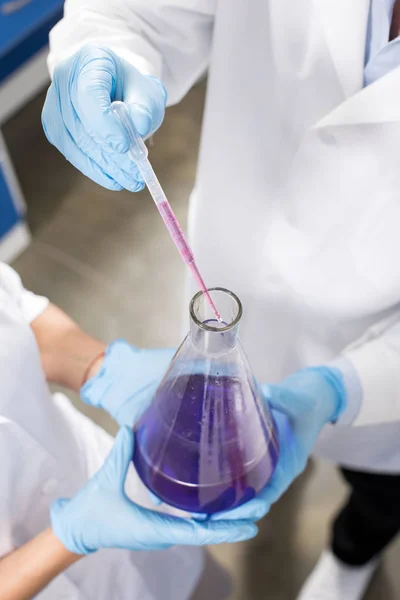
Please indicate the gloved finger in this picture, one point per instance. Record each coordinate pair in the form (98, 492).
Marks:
(113, 473)
(154, 499)
(59, 136)
(284, 427)
(146, 98)
(168, 529)
(119, 161)
(274, 490)
(290, 464)
(292, 459)
(83, 163)
(157, 502)
(158, 361)
(98, 74)
(200, 517)
(129, 178)
(251, 511)
(258, 507)
(133, 407)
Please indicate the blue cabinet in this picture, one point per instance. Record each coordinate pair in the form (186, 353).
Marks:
(24, 30)
(14, 233)
(9, 216)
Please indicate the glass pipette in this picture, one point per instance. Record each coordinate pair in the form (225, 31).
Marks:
(138, 153)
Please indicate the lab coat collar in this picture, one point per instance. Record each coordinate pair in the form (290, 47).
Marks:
(375, 104)
(345, 26)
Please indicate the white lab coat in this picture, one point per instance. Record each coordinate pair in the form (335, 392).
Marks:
(296, 206)
(49, 450)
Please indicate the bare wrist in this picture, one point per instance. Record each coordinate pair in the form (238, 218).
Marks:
(93, 367)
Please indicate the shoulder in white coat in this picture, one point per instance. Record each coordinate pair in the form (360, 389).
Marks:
(167, 38)
(29, 304)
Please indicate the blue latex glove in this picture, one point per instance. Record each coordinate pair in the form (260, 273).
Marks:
(302, 405)
(127, 381)
(102, 516)
(77, 120)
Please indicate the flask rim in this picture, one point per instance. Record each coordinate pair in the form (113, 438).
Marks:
(207, 327)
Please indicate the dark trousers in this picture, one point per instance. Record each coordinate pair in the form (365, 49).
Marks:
(369, 520)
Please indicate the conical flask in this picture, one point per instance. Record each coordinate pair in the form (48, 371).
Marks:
(207, 443)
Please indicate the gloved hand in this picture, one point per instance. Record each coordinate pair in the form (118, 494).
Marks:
(302, 404)
(102, 516)
(127, 381)
(77, 120)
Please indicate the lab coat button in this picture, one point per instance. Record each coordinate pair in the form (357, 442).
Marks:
(49, 486)
(327, 138)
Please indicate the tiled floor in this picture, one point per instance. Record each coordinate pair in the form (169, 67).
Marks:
(106, 260)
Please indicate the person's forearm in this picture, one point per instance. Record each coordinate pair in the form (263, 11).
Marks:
(66, 351)
(26, 571)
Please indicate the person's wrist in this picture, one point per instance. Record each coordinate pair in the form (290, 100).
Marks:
(334, 396)
(93, 367)
(354, 389)
(102, 389)
(64, 526)
(68, 557)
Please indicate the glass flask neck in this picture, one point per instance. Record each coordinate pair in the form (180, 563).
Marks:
(209, 335)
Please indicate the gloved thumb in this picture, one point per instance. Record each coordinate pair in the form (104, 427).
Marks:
(146, 98)
(280, 399)
(113, 474)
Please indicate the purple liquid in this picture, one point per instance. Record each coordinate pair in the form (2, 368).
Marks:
(198, 447)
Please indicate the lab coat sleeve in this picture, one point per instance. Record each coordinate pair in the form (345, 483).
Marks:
(29, 304)
(167, 38)
(371, 371)
(17, 483)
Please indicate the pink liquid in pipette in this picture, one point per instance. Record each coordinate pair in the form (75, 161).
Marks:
(196, 274)
(184, 250)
